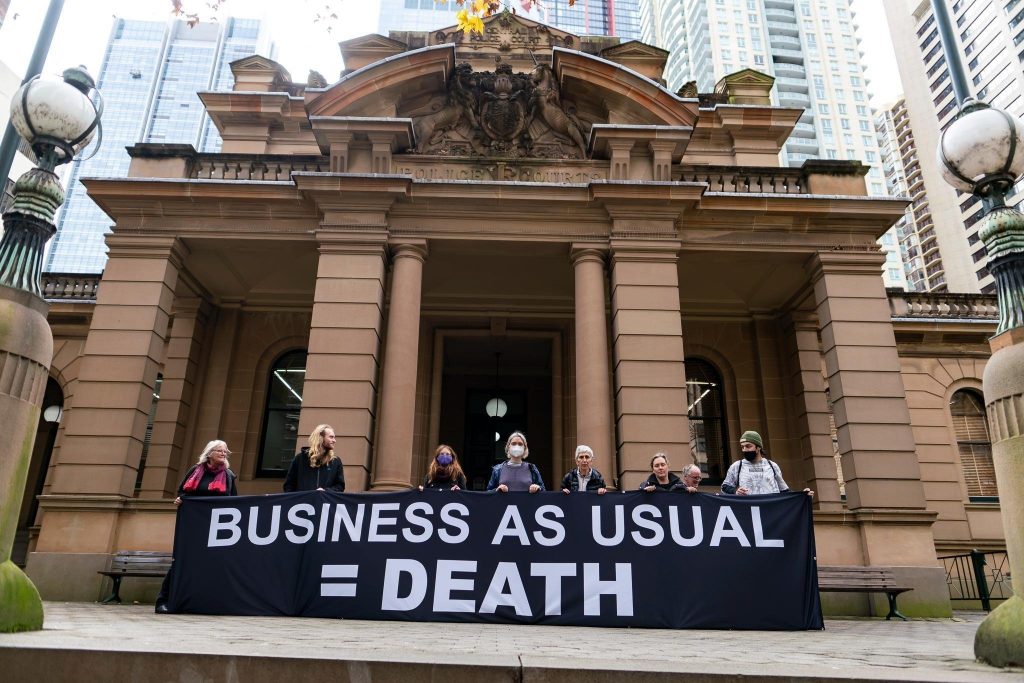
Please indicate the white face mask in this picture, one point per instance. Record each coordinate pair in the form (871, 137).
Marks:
(516, 451)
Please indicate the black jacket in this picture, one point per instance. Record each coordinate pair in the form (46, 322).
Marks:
(204, 484)
(302, 477)
(444, 484)
(674, 483)
(595, 482)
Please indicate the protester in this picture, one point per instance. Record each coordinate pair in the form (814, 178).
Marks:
(317, 467)
(444, 472)
(691, 478)
(210, 476)
(583, 477)
(661, 479)
(755, 474)
(514, 474)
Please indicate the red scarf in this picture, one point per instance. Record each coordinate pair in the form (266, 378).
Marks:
(218, 485)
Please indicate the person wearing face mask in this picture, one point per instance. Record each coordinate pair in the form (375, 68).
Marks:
(660, 479)
(584, 478)
(444, 472)
(514, 474)
(755, 474)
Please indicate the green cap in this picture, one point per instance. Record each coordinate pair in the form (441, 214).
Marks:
(752, 437)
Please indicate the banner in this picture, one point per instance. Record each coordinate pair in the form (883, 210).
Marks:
(664, 560)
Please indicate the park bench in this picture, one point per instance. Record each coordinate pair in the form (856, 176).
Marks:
(137, 563)
(854, 579)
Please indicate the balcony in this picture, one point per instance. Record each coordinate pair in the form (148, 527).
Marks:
(782, 27)
(785, 42)
(791, 84)
(802, 146)
(790, 71)
(935, 305)
(778, 14)
(788, 56)
(790, 98)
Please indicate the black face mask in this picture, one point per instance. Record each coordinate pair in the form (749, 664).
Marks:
(750, 455)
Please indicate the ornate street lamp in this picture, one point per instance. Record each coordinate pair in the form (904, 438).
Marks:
(58, 117)
(982, 152)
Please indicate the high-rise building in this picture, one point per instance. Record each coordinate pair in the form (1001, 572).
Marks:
(913, 236)
(990, 40)
(149, 78)
(4, 6)
(585, 18)
(810, 48)
(428, 15)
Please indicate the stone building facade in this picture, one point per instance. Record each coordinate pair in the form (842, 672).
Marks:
(507, 216)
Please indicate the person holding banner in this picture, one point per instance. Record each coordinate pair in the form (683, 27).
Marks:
(755, 474)
(514, 474)
(691, 478)
(661, 479)
(317, 467)
(444, 472)
(210, 476)
(584, 478)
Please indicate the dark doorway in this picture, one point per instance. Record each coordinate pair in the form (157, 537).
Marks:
(46, 435)
(520, 377)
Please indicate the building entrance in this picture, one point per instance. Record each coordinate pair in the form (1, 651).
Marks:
(491, 387)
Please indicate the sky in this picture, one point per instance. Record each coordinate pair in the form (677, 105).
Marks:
(303, 44)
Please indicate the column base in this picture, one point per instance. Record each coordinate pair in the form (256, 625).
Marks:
(386, 485)
(1000, 638)
(21, 608)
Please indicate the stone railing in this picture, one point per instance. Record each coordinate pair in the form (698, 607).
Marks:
(771, 180)
(935, 305)
(69, 286)
(254, 167)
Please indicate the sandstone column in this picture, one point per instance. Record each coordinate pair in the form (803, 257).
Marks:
(812, 434)
(393, 464)
(883, 478)
(177, 392)
(344, 346)
(123, 355)
(650, 382)
(593, 375)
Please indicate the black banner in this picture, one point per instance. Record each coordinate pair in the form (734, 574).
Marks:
(665, 560)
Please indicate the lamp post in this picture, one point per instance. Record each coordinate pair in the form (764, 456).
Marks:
(982, 152)
(58, 117)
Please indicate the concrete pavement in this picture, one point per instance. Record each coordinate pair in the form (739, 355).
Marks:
(91, 642)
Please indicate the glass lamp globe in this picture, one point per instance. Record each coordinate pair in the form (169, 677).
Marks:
(981, 146)
(496, 408)
(58, 112)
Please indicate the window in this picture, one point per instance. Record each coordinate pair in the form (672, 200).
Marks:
(705, 402)
(281, 414)
(972, 440)
(822, 108)
(147, 440)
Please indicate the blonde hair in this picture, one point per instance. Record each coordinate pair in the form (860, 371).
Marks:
(204, 457)
(526, 446)
(317, 456)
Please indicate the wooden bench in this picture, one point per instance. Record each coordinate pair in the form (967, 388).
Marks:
(137, 563)
(853, 579)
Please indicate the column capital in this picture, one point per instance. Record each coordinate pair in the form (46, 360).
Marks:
(663, 251)
(189, 307)
(847, 263)
(348, 242)
(580, 252)
(147, 246)
(408, 248)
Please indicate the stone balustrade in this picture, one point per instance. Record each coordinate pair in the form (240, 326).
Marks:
(70, 286)
(254, 167)
(746, 179)
(942, 305)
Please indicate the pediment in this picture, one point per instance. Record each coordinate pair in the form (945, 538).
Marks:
(365, 50)
(749, 77)
(256, 73)
(634, 49)
(508, 39)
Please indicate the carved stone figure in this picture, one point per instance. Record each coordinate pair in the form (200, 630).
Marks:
(499, 114)
(546, 102)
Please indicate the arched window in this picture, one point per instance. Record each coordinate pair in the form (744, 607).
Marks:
(705, 406)
(281, 414)
(974, 444)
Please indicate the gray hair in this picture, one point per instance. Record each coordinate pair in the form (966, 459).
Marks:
(689, 468)
(216, 443)
(583, 448)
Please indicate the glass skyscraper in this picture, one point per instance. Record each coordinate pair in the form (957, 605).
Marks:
(150, 75)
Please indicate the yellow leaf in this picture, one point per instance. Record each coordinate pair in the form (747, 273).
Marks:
(476, 24)
(479, 6)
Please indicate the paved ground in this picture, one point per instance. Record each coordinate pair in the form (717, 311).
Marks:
(78, 638)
